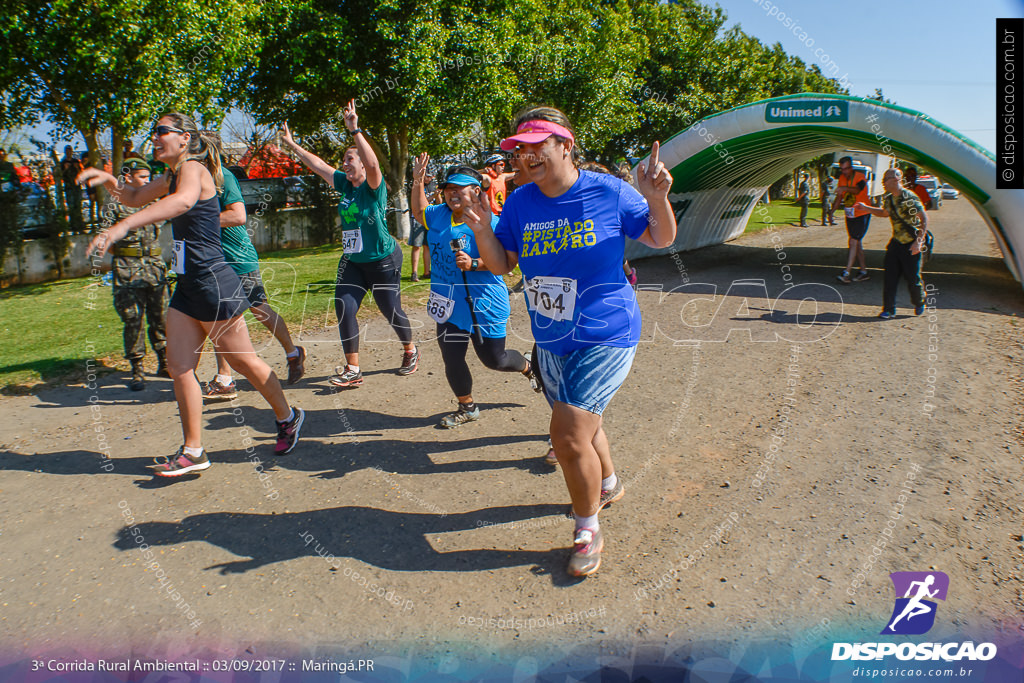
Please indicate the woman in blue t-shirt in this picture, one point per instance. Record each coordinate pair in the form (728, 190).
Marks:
(459, 273)
(566, 230)
(372, 258)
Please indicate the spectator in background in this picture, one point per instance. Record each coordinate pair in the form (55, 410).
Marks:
(828, 188)
(853, 190)
(903, 254)
(920, 190)
(129, 151)
(24, 173)
(803, 198)
(70, 167)
(9, 184)
(418, 235)
(91, 192)
(494, 183)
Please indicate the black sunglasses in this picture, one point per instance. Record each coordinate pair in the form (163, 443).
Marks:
(161, 131)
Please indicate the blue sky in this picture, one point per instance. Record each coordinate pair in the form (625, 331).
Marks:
(935, 57)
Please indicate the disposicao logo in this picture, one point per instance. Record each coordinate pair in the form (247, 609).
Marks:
(914, 614)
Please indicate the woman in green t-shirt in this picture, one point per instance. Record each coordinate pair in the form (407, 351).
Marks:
(372, 258)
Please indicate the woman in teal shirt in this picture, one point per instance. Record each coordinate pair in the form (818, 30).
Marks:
(372, 258)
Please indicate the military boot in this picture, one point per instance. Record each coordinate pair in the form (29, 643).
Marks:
(161, 364)
(138, 381)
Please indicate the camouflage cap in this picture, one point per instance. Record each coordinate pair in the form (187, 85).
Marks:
(136, 164)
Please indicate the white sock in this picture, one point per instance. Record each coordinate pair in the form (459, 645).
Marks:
(293, 354)
(353, 368)
(224, 379)
(609, 483)
(291, 416)
(587, 522)
(193, 452)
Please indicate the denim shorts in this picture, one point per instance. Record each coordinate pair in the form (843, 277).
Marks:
(417, 235)
(587, 378)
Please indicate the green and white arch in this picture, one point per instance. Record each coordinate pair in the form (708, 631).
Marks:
(722, 164)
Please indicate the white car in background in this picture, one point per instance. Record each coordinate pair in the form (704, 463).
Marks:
(950, 192)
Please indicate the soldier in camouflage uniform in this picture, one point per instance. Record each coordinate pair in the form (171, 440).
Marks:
(140, 287)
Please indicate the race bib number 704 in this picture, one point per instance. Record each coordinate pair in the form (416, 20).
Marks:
(552, 297)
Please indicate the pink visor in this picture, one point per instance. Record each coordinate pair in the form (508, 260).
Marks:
(530, 132)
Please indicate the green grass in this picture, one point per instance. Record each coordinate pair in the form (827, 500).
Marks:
(51, 330)
(781, 212)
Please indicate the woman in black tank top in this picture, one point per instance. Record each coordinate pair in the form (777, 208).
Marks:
(208, 301)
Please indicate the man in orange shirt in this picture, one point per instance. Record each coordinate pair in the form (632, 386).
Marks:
(494, 181)
(920, 190)
(853, 188)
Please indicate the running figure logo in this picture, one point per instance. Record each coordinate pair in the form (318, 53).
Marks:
(914, 613)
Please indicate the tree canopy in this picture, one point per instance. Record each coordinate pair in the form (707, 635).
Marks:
(441, 77)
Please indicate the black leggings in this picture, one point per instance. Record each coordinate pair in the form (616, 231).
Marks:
(492, 353)
(384, 279)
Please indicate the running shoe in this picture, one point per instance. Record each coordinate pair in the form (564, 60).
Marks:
(461, 416)
(296, 366)
(919, 310)
(631, 278)
(861, 276)
(215, 391)
(181, 463)
(414, 278)
(288, 432)
(410, 361)
(426, 275)
(586, 552)
(844, 278)
(609, 496)
(346, 377)
(531, 375)
(886, 315)
(551, 458)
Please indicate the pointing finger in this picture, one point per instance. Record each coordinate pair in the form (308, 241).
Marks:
(655, 149)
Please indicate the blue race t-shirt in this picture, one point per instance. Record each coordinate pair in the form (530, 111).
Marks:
(570, 252)
(490, 295)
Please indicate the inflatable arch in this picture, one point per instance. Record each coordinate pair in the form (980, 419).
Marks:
(721, 165)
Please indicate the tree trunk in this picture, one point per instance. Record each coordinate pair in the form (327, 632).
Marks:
(397, 163)
(116, 150)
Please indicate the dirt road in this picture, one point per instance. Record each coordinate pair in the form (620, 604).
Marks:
(778, 466)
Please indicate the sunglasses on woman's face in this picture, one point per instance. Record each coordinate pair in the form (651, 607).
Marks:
(161, 131)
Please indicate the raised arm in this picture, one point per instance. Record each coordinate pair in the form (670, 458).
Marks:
(373, 175)
(312, 161)
(654, 183)
(495, 257)
(419, 197)
(126, 194)
(185, 196)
